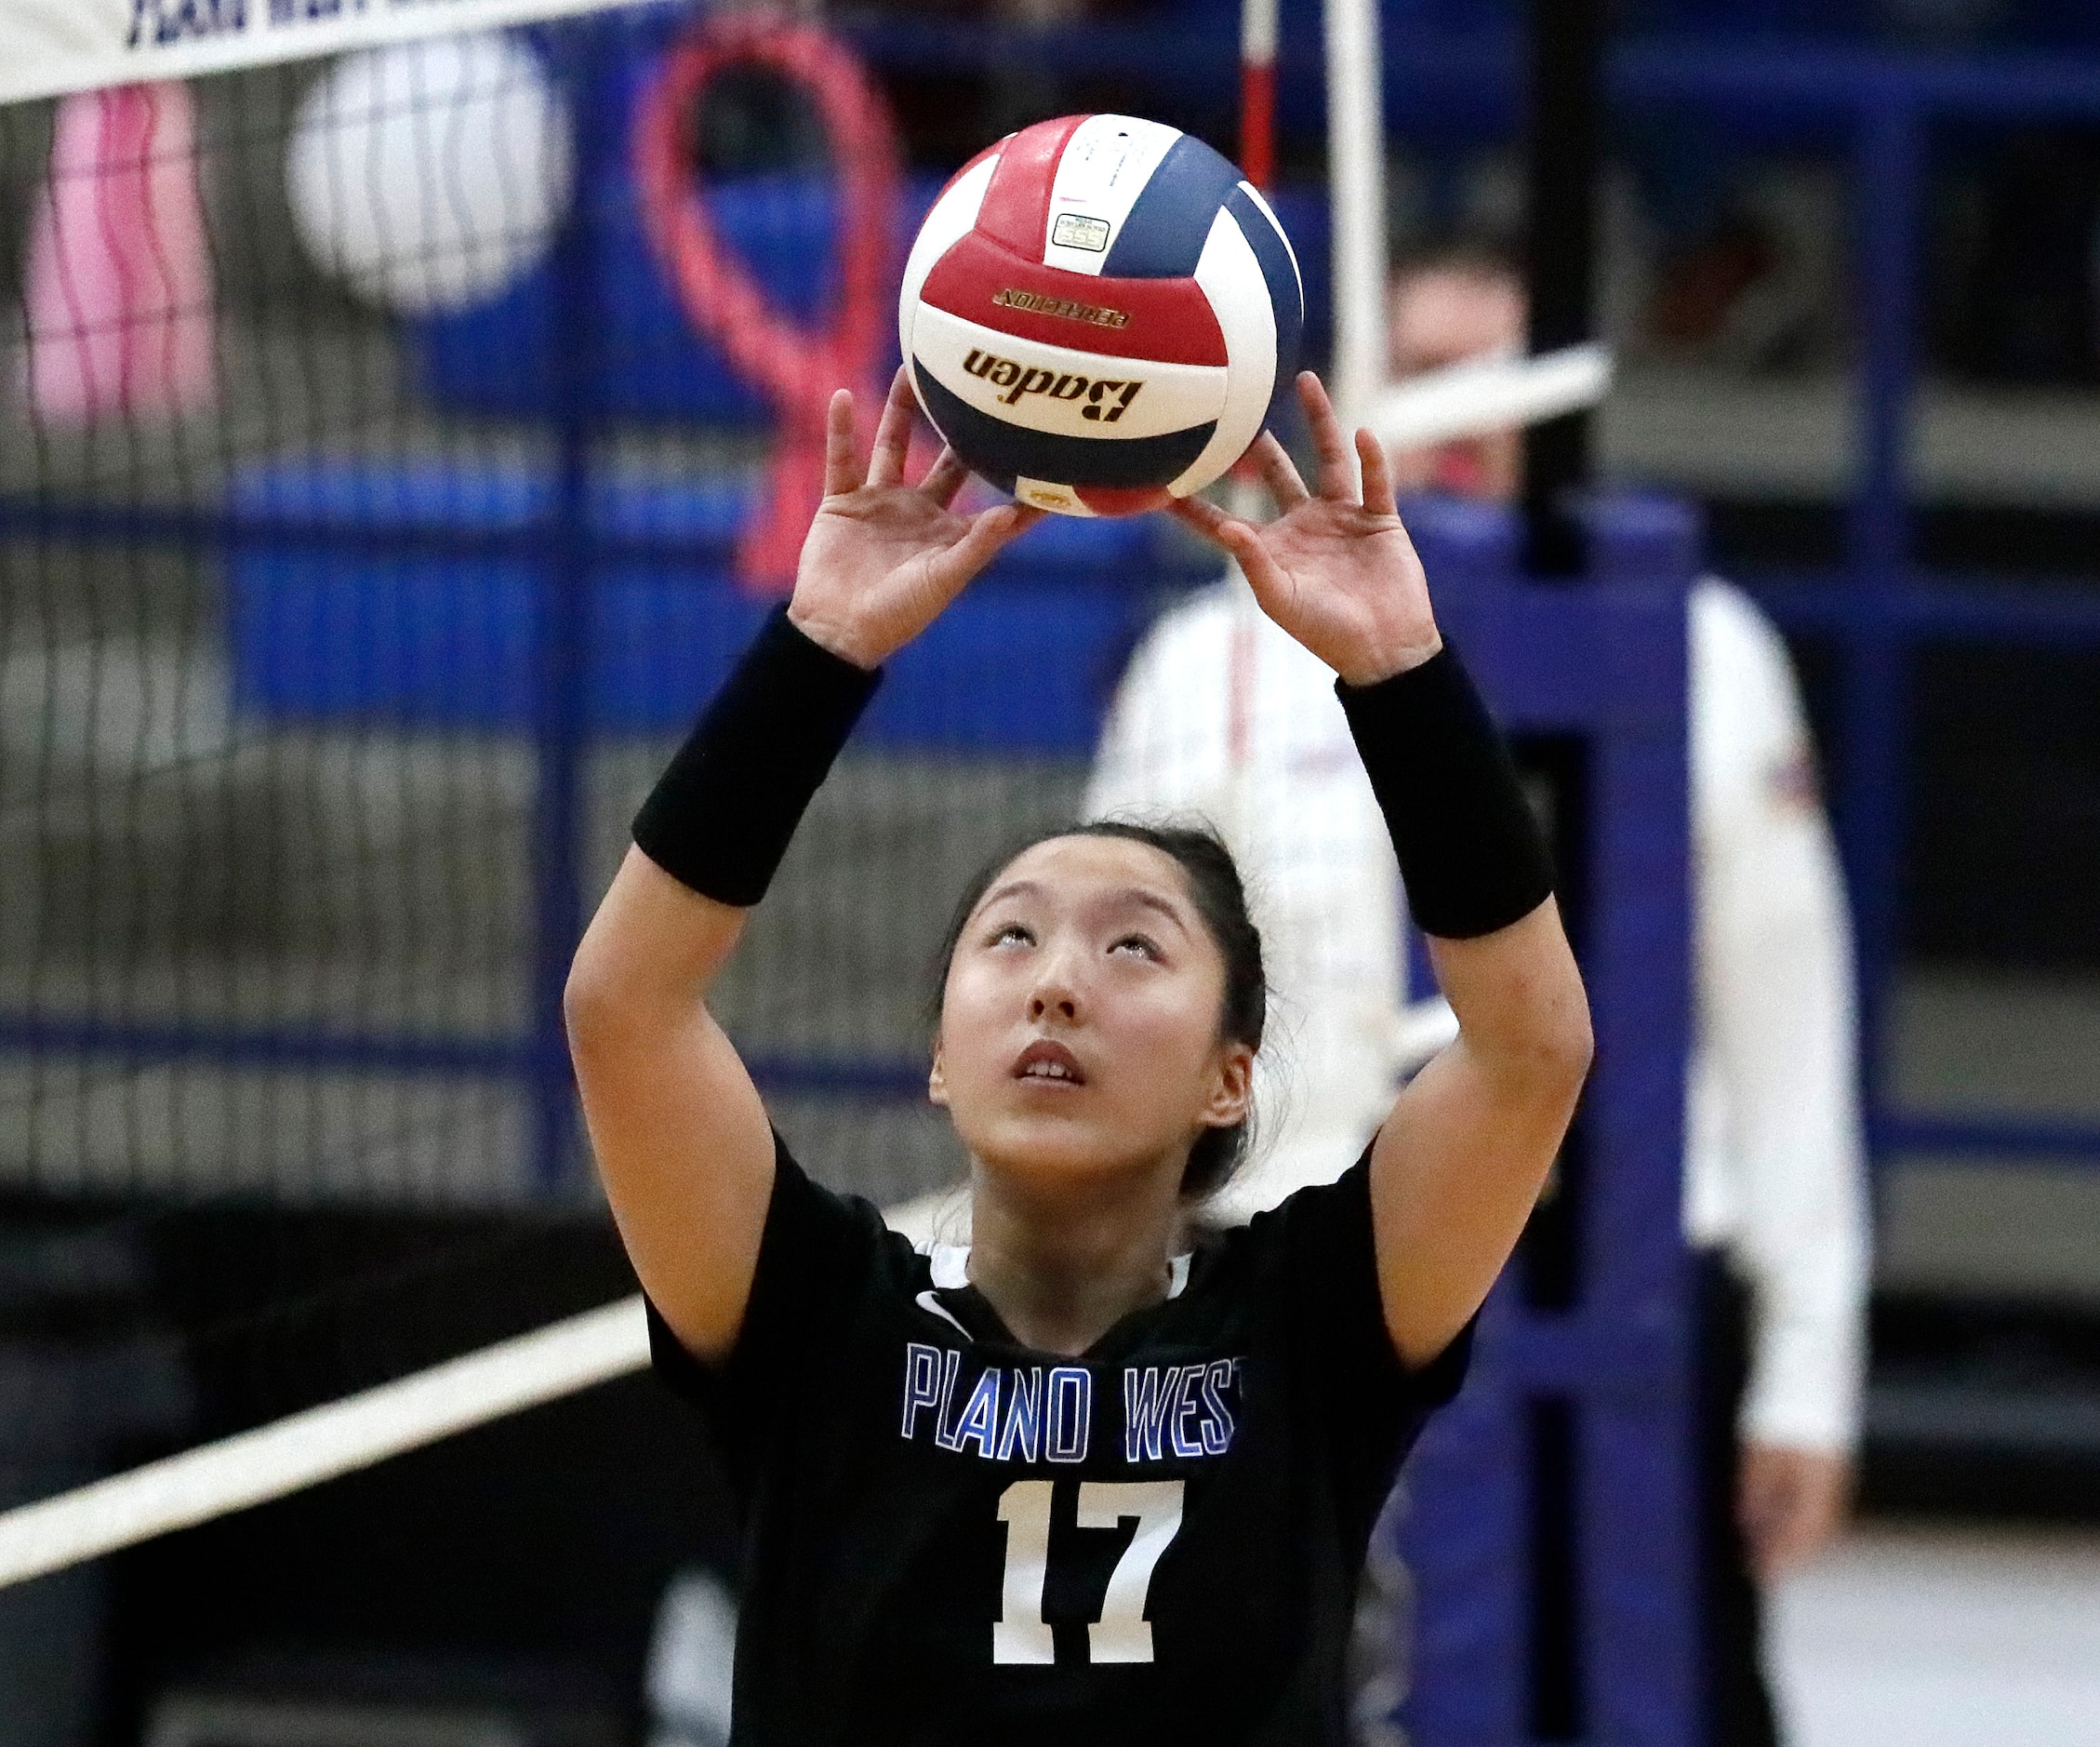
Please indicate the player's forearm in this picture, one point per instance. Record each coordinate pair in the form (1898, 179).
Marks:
(1477, 876)
(654, 948)
(1523, 1013)
(1456, 1171)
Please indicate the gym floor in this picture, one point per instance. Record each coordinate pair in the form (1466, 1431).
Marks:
(1944, 1637)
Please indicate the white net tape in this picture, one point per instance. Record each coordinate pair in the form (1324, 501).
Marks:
(1475, 399)
(306, 1448)
(49, 47)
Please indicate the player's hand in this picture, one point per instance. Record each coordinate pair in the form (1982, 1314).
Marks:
(1335, 570)
(883, 558)
(1790, 1503)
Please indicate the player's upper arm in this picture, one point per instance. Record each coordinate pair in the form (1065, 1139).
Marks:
(1458, 1167)
(680, 1138)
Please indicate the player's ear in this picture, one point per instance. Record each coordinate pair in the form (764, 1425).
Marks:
(1233, 1091)
(936, 1083)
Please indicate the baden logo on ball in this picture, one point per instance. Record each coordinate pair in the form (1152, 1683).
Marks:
(1020, 379)
(1098, 313)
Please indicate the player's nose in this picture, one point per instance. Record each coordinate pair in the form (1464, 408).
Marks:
(1056, 990)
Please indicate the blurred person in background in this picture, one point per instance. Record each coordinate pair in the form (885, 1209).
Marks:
(1219, 717)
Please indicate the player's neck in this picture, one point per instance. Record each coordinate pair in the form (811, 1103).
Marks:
(1062, 1272)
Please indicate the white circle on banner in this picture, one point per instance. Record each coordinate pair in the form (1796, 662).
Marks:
(428, 176)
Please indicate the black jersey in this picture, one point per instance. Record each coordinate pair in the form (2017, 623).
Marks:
(951, 1538)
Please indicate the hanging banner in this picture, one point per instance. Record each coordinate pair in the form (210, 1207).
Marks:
(49, 47)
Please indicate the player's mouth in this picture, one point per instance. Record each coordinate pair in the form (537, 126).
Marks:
(1047, 1062)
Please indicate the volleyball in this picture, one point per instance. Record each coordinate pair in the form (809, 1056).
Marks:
(1098, 313)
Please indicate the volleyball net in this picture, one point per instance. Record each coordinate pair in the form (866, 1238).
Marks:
(390, 474)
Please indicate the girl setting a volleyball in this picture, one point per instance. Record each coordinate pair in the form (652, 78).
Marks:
(1105, 1475)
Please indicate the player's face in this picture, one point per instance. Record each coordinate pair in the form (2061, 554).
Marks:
(1440, 317)
(1079, 1020)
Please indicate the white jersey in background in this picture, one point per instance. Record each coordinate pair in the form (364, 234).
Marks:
(1222, 714)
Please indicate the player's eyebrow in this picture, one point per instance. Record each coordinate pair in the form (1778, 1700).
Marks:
(1013, 889)
(1152, 900)
(1126, 896)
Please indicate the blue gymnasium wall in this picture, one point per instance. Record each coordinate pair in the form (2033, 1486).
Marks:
(407, 596)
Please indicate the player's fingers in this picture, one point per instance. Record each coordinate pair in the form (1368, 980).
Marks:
(1272, 587)
(944, 477)
(1240, 539)
(893, 435)
(1378, 476)
(1205, 517)
(1280, 474)
(1335, 478)
(842, 470)
(989, 529)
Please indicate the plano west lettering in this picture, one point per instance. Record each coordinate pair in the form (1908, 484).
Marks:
(1045, 1413)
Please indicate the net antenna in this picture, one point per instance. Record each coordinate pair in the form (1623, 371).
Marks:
(1257, 92)
(1355, 192)
(1244, 492)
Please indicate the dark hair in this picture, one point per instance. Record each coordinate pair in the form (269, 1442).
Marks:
(1221, 900)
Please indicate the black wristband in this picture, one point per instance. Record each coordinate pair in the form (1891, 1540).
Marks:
(1471, 855)
(721, 817)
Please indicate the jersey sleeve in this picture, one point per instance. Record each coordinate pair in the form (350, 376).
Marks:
(818, 1258)
(1318, 1261)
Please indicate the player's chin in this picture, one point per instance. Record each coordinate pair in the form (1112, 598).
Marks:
(1046, 1139)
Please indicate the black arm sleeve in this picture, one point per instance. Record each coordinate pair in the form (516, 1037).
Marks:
(721, 817)
(1471, 855)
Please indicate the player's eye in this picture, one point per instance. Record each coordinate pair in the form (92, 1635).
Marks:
(1141, 945)
(1010, 934)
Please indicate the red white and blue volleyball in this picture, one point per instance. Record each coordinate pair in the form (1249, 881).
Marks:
(1099, 314)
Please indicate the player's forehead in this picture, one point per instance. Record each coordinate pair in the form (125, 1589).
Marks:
(1090, 871)
(1443, 315)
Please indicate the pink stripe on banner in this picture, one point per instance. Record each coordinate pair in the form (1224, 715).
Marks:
(118, 293)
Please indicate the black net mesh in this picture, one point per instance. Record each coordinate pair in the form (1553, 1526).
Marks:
(368, 507)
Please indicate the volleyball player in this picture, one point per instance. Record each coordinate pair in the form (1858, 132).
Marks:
(1774, 1180)
(1091, 1478)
